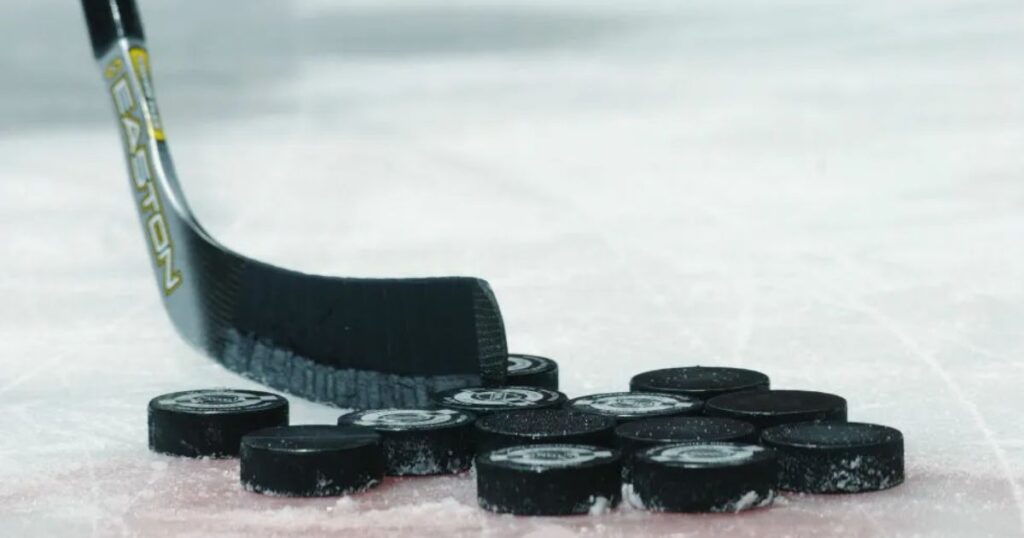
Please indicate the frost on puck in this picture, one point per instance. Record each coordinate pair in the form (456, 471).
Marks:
(626, 406)
(549, 480)
(640, 435)
(543, 426)
(837, 457)
(768, 408)
(211, 422)
(485, 400)
(420, 441)
(703, 477)
(531, 371)
(311, 460)
(702, 382)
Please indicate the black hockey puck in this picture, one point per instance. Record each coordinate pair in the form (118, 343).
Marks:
(549, 480)
(702, 382)
(703, 477)
(211, 422)
(837, 457)
(311, 461)
(485, 400)
(420, 441)
(640, 435)
(768, 408)
(531, 371)
(626, 406)
(543, 426)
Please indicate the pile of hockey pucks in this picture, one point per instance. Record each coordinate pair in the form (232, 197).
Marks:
(689, 439)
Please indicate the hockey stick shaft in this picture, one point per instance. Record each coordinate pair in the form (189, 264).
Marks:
(365, 341)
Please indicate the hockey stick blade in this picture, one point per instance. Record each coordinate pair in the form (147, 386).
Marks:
(352, 342)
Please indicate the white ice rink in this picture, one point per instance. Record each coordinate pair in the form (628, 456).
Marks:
(830, 192)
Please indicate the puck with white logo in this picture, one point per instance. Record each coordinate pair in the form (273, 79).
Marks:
(543, 426)
(702, 382)
(703, 477)
(837, 457)
(768, 408)
(531, 371)
(420, 441)
(485, 400)
(549, 480)
(640, 435)
(211, 422)
(626, 406)
(311, 460)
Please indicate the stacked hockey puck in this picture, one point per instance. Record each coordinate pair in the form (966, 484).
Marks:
(689, 439)
(309, 460)
(362, 448)
(751, 441)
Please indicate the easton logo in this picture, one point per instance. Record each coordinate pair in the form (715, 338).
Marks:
(150, 208)
(549, 456)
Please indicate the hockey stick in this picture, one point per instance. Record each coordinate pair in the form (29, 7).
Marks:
(349, 341)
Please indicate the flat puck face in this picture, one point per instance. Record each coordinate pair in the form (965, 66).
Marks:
(832, 435)
(217, 401)
(420, 442)
(649, 432)
(837, 457)
(396, 420)
(549, 479)
(311, 461)
(521, 365)
(311, 438)
(211, 422)
(543, 426)
(624, 406)
(541, 458)
(699, 381)
(484, 400)
(634, 437)
(703, 477)
(773, 407)
(706, 455)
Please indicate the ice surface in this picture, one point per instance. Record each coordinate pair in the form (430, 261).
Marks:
(829, 192)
